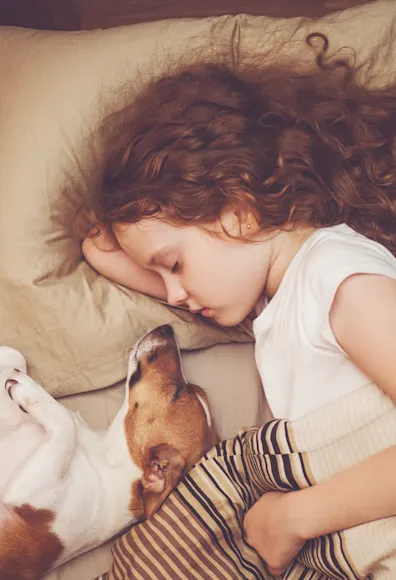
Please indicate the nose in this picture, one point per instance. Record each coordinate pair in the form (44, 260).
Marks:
(156, 339)
(175, 292)
(164, 331)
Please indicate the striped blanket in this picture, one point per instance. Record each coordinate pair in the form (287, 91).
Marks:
(198, 533)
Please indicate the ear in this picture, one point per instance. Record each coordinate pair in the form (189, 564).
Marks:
(230, 222)
(238, 221)
(162, 472)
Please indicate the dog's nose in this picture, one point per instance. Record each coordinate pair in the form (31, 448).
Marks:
(164, 331)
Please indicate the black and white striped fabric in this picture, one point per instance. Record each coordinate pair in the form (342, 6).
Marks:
(198, 532)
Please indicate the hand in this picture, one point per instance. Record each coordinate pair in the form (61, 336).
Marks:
(272, 531)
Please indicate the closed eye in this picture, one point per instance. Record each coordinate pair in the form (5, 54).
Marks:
(178, 391)
(175, 268)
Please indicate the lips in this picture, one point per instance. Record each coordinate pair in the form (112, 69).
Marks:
(206, 312)
(203, 311)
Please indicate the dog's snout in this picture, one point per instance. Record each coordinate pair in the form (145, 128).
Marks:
(164, 331)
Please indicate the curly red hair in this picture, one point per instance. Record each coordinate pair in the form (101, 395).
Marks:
(314, 149)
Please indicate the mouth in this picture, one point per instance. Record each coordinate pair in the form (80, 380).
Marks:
(207, 312)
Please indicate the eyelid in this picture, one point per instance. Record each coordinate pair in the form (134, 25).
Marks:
(168, 261)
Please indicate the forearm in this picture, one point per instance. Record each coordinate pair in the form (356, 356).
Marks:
(361, 494)
(117, 266)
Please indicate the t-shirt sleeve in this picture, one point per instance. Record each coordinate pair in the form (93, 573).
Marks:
(334, 260)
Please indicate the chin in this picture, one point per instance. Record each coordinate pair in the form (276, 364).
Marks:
(229, 321)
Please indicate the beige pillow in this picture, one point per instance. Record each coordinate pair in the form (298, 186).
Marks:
(75, 327)
(366, 34)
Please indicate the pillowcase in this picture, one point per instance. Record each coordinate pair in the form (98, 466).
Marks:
(74, 326)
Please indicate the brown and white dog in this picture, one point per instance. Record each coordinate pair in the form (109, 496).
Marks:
(65, 488)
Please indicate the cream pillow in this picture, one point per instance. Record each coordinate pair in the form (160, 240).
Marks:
(74, 326)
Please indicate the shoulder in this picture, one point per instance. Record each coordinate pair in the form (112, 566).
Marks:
(363, 322)
(345, 275)
(337, 253)
(342, 245)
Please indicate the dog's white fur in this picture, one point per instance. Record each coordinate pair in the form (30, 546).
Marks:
(50, 459)
(83, 476)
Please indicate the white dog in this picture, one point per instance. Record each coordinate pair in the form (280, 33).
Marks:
(64, 488)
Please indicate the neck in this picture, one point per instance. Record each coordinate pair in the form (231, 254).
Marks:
(286, 244)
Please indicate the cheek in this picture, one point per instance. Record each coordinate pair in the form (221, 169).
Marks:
(222, 273)
(204, 278)
(228, 271)
(210, 269)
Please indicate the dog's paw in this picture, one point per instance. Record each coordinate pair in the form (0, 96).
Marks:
(153, 478)
(9, 384)
(164, 463)
(22, 394)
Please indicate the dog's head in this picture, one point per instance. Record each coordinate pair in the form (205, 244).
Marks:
(168, 423)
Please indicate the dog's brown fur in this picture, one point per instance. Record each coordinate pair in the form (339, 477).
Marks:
(30, 547)
(165, 440)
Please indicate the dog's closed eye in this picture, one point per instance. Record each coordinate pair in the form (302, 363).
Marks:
(178, 391)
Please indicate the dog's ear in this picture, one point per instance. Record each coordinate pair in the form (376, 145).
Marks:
(212, 437)
(162, 472)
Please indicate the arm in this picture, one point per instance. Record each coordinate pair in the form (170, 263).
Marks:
(361, 494)
(363, 319)
(117, 266)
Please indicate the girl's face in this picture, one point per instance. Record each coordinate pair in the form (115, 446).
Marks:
(219, 277)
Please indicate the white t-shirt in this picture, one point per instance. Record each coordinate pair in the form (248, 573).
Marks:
(301, 365)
